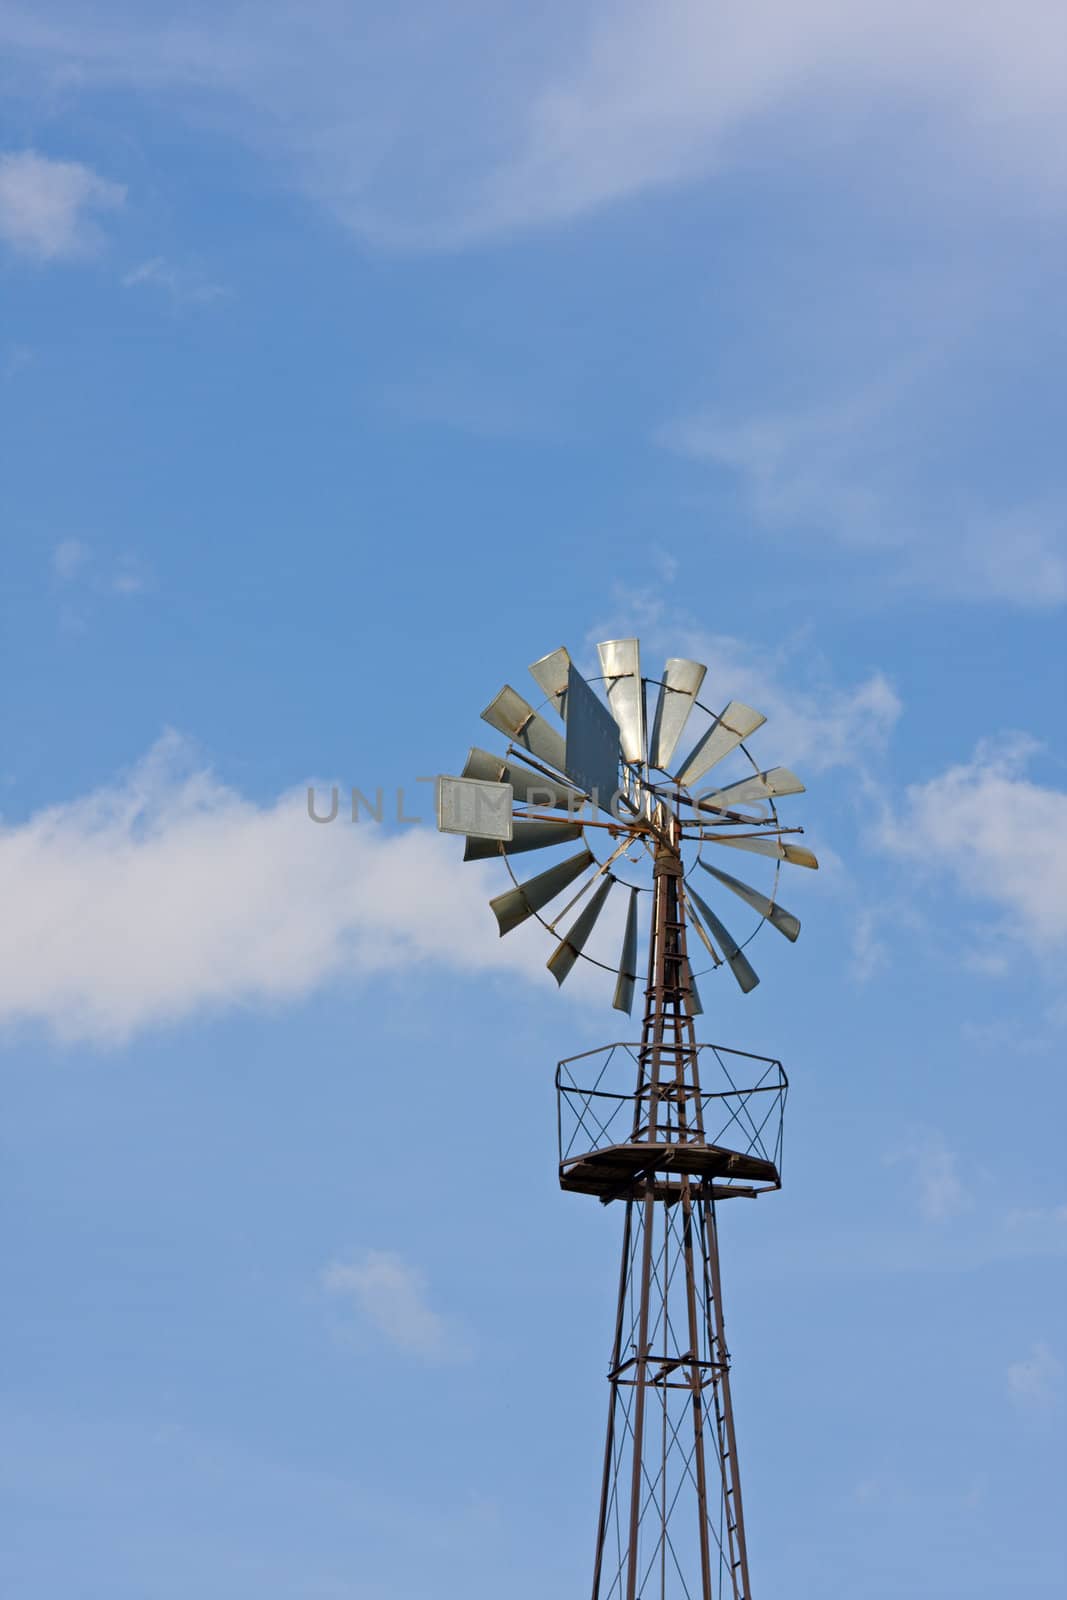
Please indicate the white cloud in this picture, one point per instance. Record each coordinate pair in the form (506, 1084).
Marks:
(998, 834)
(442, 125)
(128, 583)
(182, 285)
(1037, 1225)
(84, 575)
(841, 474)
(1037, 1380)
(1036, 1033)
(168, 893)
(798, 466)
(870, 953)
(1019, 556)
(390, 1294)
(661, 95)
(47, 208)
(68, 559)
(933, 1176)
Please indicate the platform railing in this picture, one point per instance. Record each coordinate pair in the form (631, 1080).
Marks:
(740, 1105)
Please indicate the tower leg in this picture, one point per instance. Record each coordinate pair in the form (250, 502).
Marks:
(606, 1502)
(671, 1525)
(724, 1414)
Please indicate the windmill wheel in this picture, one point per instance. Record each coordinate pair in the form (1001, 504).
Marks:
(592, 768)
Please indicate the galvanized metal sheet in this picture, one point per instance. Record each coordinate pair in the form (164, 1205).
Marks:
(592, 751)
(509, 713)
(480, 810)
(776, 915)
(716, 959)
(680, 687)
(761, 786)
(776, 848)
(724, 735)
(573, 943)
(624, 987)
(525, 836)
(550, 674)
(531, 788)
(696, 1008)
(517, 904)
(620, 662)
(735, 958)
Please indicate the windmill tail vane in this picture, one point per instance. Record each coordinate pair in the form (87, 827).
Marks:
(665, 1126)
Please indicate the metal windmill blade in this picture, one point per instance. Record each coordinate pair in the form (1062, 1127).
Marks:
(778, 849)
(678, 691)
(509, 713)
(725, 734)
(530, 788)
(761, 786)
(524, 836)
(620, 662)
(561, 961)
(550, 674)
(716, 958)
(624, 986)
(513, 907)
(775, 914)
(733, 955)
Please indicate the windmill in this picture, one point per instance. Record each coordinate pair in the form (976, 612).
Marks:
(666, 1127)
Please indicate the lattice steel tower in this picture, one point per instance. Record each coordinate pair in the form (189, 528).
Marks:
(666, 1127)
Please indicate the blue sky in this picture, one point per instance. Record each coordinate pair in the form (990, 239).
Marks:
(349, 361)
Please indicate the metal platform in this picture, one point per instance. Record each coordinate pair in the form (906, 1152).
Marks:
(613, 1168)
(724, 1137)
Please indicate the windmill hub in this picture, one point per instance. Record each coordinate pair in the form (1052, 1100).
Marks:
(666, 1126)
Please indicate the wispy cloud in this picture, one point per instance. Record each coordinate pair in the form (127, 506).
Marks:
(82, 573)
(933, 1176)
(69, 558)
(870, 953)
(49, 209)
(846, 474)
(999, 835)
(667, 95)
(1039, 1229)
(1035, 1034)
(443, 126)
(182, 285)
(127, 582)
(390, 1295)
(1036, 1382)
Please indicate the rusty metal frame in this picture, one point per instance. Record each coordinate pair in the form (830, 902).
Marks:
(670, 1465)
